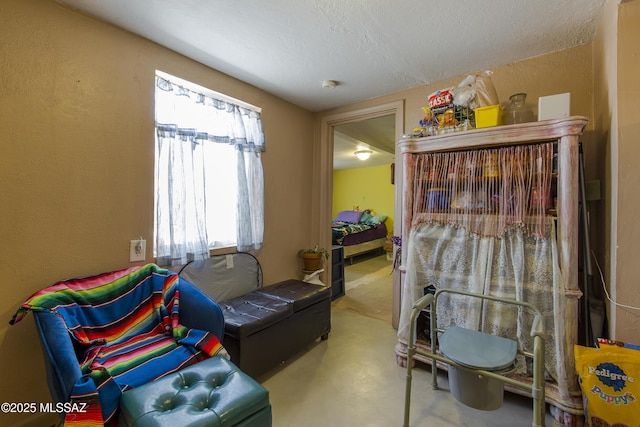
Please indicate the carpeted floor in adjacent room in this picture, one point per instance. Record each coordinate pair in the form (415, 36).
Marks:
(368, 287)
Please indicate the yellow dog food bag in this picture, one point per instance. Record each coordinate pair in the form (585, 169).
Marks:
(609, 378)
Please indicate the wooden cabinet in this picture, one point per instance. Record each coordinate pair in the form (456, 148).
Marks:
(523, 174)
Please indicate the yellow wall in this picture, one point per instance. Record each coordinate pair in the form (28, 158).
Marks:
(76, 164)
(367, 188)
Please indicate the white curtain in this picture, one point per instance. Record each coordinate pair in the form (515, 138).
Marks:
(190, 126)
(515, 265)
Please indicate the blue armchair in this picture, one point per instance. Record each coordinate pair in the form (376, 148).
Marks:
(246, 402)
(197, 311)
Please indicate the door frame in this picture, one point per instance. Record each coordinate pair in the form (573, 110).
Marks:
(324, 182)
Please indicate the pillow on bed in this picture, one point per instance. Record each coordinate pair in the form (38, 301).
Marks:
(349, 216)
(366, 217)
(377, 219)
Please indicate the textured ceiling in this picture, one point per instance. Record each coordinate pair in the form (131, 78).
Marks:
(370, 47)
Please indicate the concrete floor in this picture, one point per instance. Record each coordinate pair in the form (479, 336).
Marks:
(353, 380)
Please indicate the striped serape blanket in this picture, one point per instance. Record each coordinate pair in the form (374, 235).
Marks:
(128, 333)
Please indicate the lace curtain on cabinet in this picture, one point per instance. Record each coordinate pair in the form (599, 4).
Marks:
(480, 225)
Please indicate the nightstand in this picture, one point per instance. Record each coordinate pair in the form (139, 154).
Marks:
(337, 272)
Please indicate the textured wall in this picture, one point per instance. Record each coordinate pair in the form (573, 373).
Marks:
(616, 119)
(76, 164)
(627, 325)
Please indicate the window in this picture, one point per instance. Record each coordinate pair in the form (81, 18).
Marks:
(208, 172)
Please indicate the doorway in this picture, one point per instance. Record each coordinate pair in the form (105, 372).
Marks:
(328, 126)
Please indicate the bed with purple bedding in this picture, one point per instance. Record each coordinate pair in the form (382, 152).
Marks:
(358, 232)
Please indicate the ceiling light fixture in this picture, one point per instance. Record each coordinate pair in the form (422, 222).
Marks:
(329, 84)
(363, 154)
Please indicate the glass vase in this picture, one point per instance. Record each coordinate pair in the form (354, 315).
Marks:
(517, 111)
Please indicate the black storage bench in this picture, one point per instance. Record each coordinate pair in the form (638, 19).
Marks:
(264, 326)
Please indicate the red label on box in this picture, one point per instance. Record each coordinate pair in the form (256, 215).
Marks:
(441, 100)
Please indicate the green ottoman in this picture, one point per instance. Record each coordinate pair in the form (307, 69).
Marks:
(213, 392)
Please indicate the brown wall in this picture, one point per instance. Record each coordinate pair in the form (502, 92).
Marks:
(617, 118)
(628, 226)
(76, 156)
(565, 71)
(617, 89)
(76, 164)
(605, 116)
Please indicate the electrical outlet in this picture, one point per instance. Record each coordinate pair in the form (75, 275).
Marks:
(137, 250)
